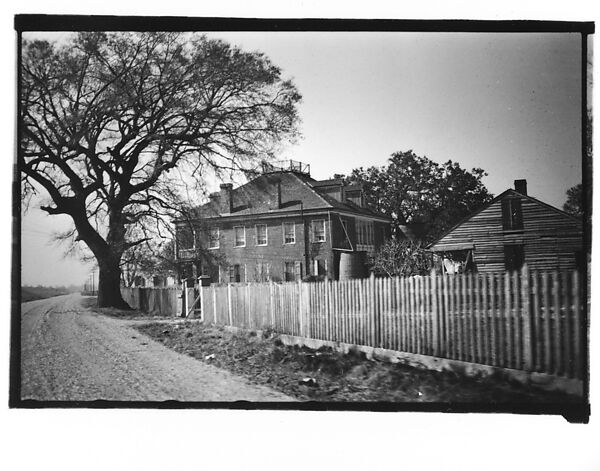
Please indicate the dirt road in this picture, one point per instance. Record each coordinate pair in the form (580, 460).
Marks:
(71, 353)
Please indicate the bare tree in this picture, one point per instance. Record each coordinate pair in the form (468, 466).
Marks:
(114, 125)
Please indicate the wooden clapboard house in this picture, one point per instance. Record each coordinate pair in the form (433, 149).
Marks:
(513, 229)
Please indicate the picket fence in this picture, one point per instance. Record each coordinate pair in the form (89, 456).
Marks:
(154, 301)
(532, 321)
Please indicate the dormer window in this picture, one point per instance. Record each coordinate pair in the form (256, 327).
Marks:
(512, 214)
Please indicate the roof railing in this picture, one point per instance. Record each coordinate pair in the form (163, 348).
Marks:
(286, 166)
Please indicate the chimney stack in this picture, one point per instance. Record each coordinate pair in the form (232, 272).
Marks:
(278, 185)
(521, 186)
(226, 198)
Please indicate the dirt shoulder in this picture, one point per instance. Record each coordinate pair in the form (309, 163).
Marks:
(325, 375)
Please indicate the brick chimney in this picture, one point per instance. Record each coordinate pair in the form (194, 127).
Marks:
(226, 198)
(278, 193)
(521, 186)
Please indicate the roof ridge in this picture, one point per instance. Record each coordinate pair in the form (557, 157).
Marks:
(494, 200)
(313, 190)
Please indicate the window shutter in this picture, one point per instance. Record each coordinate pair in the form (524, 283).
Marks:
(506, 214)
(517, 214)
(514, 257)
(519, 257)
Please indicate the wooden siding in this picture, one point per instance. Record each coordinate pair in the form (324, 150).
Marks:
(550, 239)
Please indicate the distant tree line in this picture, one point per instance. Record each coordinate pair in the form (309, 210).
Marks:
(31, 293)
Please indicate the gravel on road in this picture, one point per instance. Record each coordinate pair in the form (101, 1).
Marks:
(71, 353)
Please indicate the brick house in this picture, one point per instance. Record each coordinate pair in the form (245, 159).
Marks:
(513, 229)
(281, 226)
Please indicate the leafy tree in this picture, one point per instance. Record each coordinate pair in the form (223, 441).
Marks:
(148, 259)
(402, 257)
(413, 189)
(115, 128)
(574, 203)
(575, 195)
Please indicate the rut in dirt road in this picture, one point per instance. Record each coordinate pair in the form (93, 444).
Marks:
(70, 353)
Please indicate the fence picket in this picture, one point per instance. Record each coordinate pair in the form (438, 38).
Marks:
(527, 352)
(558, 363)
(528, 320)
(481, 321)
(567, 334)
(548, 363)
(577, 325)
(536, 315)
(516, 320)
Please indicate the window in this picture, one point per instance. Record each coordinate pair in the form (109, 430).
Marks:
(318, 230)
(365, 232)
(512, 216)
(185, 238)
(235, 275)
(513, 256)
(240, 236)
(261, 234)
(262, 271)
(289, 233)
(292, 271)
(320, 267)
(213, 238)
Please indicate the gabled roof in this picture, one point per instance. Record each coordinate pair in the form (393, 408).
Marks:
(299, 192)
(505, 193)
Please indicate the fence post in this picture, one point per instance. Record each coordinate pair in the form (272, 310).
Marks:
(434, 313)
(272, 304)
(214, 292)
(185, 298)
(201, 288)
(526, 315)
(327, 311)
(300, 313)
(376, 312)
(229, 304)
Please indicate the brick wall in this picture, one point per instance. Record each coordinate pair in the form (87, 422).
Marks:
(276, 253)
(253, 259)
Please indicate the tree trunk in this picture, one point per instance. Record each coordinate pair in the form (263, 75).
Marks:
(109, 285)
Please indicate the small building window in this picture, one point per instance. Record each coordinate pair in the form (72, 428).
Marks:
(263, 271)
(512, 215)
(318, 229)
(365, 235)
(213, 238)
(261, 234)
(185, 237)
(514, 257)
(289, 233)
(240, 236)
(292, 271)
(235, 275)
(320, 267)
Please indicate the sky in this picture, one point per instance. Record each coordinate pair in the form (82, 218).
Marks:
(508, 103)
